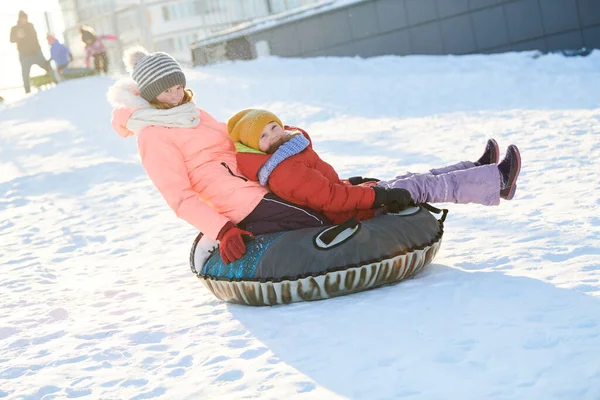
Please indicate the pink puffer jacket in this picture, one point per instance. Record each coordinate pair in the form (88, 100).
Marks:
(194, 169)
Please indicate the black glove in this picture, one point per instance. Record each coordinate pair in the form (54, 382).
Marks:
(357, 180)
(395, 200)
(380, 196)
(398, 200)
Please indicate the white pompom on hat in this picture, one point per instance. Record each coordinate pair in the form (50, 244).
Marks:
(133, 55)
(153, 72)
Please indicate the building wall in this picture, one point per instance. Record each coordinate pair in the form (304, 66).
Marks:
(167, 25)
(89, 9)
(175, 25)
(69, 12)
(401, 27)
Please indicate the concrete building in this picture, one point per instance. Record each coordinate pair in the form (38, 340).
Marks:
(368, 28)
(166, 25)
(175, 25)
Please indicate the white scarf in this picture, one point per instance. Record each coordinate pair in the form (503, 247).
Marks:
(183, 116)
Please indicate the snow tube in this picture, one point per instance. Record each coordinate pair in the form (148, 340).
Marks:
(320, 263)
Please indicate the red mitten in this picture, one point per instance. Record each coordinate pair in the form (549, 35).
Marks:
(232, 243)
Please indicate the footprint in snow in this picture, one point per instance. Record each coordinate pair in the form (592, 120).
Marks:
(230, 376)
(253, 353)
(216, 360)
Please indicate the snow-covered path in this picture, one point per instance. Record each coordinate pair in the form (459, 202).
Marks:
(97, 300)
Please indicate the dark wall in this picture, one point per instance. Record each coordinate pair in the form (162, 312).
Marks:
(380, 27)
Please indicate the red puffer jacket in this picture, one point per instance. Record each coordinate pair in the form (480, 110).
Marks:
(306, 180)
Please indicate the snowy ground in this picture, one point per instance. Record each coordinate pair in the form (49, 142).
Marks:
(97, 300)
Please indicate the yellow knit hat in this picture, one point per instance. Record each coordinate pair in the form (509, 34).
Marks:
(247, 125)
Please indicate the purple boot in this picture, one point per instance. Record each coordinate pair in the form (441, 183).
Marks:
(491, 155)
(509, 172)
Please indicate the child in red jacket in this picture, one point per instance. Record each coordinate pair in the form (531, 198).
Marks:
(282, 158)
(285, 161)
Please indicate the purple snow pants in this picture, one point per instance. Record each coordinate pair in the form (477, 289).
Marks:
(459, 183)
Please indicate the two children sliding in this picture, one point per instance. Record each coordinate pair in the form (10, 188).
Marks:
(254, 175)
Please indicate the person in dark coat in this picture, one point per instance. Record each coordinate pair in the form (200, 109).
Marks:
(30, 53)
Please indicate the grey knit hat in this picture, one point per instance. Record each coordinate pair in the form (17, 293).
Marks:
(153, 73)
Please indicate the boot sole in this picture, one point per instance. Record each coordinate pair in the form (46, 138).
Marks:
(514, 174)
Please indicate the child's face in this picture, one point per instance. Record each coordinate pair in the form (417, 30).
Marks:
(172, 96)
(270, 136)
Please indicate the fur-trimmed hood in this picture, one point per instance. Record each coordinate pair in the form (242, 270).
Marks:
(125, 94)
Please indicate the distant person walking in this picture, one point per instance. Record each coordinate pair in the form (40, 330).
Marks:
(30, 53)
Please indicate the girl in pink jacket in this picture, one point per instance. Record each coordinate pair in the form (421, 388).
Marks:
(95, 49)
(191, 160)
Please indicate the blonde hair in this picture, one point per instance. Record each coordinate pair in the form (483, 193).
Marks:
(188, 97)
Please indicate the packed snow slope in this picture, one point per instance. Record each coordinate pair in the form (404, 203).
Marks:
(97, 300)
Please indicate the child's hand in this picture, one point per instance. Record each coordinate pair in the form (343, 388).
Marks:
(357, 180)
(397, 200)
(394, 200)
(232, 243)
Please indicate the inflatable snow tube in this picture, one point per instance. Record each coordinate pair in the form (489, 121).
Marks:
(320, 263)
